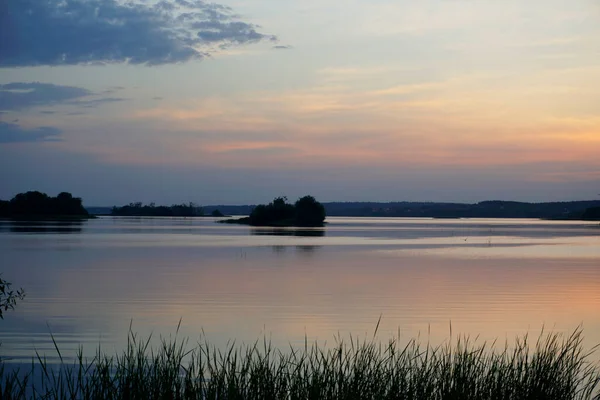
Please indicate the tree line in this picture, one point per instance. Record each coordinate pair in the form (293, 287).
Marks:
(152, 210)
(38, 204)
(592, 214)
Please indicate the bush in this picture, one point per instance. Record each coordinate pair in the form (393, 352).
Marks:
(8, 297)
(41, 205)
(305, 212)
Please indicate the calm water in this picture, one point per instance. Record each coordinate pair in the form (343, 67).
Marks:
(87, 283)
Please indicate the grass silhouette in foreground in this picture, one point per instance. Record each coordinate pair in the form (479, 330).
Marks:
(554, 367)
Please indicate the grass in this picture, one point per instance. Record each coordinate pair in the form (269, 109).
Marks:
(552, 367)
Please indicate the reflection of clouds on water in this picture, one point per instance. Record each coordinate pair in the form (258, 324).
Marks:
(46, 226)
(41, 333)
(508, 247)
(237, 282)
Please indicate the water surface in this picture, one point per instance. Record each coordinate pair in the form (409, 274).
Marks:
(88, 282)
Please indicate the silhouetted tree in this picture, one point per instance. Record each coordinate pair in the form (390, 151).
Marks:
(277, 212)
(281, 210)
(306, 212)
(309, 212)
(4, 208)
(39, 204)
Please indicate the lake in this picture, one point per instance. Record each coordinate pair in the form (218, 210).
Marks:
(89, 282)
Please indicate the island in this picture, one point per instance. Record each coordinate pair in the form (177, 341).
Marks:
(306, 212)
(38, 205)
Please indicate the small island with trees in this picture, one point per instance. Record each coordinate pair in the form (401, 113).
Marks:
(306, 212)
(38, 205)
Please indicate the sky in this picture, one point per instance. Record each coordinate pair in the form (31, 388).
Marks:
(240, 101)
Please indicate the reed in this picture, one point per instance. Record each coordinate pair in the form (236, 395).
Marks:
(552, 367)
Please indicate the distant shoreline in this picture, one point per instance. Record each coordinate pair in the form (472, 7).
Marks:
(563, 211)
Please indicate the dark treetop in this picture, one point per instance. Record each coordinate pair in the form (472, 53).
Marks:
(40, 205)
(305, 212)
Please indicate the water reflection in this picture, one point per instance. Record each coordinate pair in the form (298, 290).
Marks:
(302, 249)
(45, 226)
(307, 249)
(300, 232)
(236, 282)
(278, 249)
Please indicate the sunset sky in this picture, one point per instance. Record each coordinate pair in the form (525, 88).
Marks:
(244, 100)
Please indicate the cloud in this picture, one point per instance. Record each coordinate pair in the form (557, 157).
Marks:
(282, 47)
(260, 148)
(96, 102)
(113, 89)
(20, 95)
(13, 133)
(57, 32)
(24, 95)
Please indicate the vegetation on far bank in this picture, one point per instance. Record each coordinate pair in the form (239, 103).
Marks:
(591, 214)
(569, 210)
(39, 205)
(305, 212)
(152, 210)
(554, 367)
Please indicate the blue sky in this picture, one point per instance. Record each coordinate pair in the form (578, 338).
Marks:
(242, 101)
